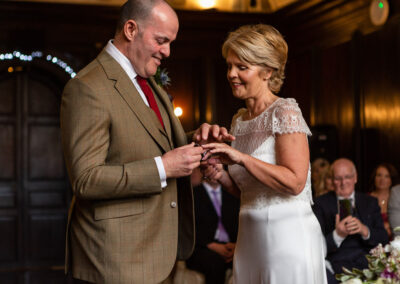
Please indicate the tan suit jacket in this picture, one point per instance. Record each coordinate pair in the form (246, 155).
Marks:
(122, 226)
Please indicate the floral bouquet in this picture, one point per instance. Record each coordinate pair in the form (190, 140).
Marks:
(383, 266)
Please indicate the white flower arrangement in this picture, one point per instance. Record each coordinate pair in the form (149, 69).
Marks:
(383, 266)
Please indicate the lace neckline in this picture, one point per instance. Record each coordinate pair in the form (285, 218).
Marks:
(240, 118)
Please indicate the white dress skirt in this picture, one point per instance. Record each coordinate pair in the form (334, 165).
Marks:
(279, 239)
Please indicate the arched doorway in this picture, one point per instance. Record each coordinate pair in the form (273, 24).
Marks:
(34, 189)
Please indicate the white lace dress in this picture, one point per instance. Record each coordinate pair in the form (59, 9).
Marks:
(279, 239)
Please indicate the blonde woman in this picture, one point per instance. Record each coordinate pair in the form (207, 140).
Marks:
(279, 239)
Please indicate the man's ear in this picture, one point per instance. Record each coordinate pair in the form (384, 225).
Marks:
(130, 30)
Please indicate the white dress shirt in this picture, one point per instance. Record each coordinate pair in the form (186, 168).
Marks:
(128, 68)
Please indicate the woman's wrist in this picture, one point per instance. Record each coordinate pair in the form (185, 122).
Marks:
(243, 159)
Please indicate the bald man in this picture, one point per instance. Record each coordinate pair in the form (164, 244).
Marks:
(127, 157)
(349, 239)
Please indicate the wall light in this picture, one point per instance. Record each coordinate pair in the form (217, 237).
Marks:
(206, 4)
(178, 111)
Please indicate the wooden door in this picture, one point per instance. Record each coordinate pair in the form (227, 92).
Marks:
(34, 191)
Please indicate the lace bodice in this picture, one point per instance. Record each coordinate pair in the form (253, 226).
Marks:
(256, 137)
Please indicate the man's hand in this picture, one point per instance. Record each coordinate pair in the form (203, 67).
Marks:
(350, 226)
(340, 226)
(182, 161)
(207, 133)
(212, 172)
(226, 251)
(231, 248)
(354, 226)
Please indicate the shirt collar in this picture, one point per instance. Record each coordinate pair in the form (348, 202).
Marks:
(210, 189)
(121, 59)
(351, 198)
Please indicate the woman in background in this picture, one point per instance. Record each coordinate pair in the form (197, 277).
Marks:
(324, 182)
(318, 167)
(380, 183)
(279, 239)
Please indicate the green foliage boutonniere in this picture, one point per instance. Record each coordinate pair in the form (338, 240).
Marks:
(161, 78)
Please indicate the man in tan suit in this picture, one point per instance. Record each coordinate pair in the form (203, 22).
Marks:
(128, 161)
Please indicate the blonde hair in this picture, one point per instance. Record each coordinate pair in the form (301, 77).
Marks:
(260, 45)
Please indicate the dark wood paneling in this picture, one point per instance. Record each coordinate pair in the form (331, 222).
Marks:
(380, 73)
(299, 82)
(47, 237)
(335, 103)
(48, 277)
(185, 88)
(33, 188)
(47, 199)
(9, 278)
(8, 244)
(7, 196)
(7, 151)
(7, 98)
(45, 154)
(42, 99)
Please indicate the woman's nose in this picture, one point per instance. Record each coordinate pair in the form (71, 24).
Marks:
(232, 73)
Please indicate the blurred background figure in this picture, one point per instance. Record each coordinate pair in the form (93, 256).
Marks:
(321, 177)
(216, 219)
(380, 182)
(394, 209)
(348, 238)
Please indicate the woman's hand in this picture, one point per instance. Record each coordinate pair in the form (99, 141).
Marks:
(216, 173)
(223, 153)
(212, 172)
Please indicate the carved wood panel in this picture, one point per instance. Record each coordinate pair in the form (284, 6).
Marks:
(34, 191)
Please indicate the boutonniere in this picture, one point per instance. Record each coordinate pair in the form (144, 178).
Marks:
(161, 78)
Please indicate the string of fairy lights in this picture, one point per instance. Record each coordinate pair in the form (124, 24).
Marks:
(38, 54)
(53, 59)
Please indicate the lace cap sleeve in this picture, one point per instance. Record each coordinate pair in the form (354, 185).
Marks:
(287, 118)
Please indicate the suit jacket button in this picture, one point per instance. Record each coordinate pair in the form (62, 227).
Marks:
(173, 204)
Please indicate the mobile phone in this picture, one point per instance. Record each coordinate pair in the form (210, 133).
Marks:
(345, 208)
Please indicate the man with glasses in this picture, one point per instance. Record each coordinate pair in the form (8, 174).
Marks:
(348, 238)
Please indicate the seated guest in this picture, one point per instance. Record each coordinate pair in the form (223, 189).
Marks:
(394, 209)
(216, 219)
(319, 167)
(325, 183)
(348, 239)
(380, 183)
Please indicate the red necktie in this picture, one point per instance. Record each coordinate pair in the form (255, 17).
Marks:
(150, 97)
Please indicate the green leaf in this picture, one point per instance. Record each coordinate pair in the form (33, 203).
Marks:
(368, 274)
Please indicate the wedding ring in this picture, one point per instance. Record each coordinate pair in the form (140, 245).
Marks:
(203, 155)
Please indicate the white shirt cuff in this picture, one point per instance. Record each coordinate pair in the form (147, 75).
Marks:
(161, 171)
(338, 239)
(369, 234)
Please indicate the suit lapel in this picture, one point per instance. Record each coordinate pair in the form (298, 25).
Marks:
(360, 203)
(178, 134)
(128, 92)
